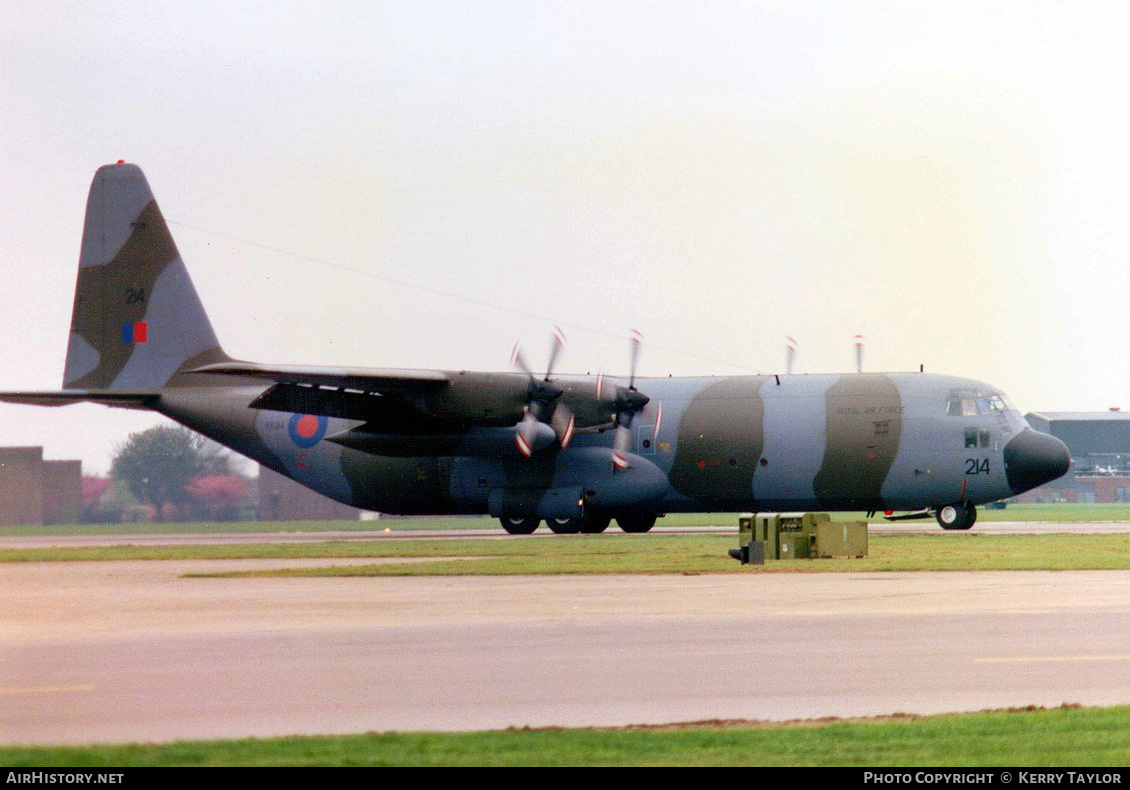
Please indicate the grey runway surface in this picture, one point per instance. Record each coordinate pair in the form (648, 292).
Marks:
(136, 651)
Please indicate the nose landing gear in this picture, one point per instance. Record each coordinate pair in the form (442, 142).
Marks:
(958, 516)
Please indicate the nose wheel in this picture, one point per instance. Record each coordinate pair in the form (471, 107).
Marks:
(959, 516)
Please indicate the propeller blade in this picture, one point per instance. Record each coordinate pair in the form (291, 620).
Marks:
(620, 446)
(629, 402)
(518, 361)
(564, 424)
(524, 436)
(545, 420)
(554, 350)
(859, 353)
(636, 340)
(790, 354)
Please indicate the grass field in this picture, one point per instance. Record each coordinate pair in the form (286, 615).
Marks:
(1057, 737)
(619, 553)
(1044, 513)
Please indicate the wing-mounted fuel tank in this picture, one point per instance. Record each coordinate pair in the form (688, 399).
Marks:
(589, 481)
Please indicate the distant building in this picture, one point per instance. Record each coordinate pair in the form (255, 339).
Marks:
(282, 499)
(1099, 443)
(1095, 438)
(34, 491)
(62, 492)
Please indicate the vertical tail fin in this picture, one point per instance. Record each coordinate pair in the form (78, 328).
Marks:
(137, 320)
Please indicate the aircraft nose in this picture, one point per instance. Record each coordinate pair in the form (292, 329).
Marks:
(1032, 459)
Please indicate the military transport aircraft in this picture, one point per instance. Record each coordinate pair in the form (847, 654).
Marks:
(575, 451)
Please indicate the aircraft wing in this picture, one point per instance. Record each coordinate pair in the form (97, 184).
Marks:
(408, 401)
(385, 380)
(128, 399)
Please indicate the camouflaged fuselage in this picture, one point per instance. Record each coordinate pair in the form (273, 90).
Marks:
(761, 443)
(410, 442)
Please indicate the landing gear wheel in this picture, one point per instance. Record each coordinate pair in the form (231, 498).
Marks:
(959, 516)
(591, 525)
(519, 526)
(635, 522)
(564, 526)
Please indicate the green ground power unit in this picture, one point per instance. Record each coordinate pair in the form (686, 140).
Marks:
(789, 536)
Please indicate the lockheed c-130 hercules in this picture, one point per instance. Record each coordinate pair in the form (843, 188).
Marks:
(576, 451)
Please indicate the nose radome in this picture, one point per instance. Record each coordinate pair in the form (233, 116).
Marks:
(1033, 458)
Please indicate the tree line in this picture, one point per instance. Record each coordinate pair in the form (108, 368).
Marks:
(168, 474)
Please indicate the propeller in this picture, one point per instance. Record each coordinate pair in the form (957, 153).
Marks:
(790, 354)
(542, 405)
(629, 402)
(859, 353)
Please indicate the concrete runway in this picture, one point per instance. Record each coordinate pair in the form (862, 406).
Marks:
(134, 651)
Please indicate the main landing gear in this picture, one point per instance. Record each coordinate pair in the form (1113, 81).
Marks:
(588, 524)
(519, 526)
(959, 516)
(636, 522)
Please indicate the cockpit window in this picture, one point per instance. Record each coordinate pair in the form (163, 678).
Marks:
(973, 403)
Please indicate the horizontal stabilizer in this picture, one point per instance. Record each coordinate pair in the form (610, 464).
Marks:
(126, 399)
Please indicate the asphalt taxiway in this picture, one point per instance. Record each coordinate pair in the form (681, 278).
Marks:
(138, 651)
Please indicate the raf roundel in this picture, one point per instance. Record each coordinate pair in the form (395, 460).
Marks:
(306, 430)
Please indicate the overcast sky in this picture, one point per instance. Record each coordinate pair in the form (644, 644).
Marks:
(411, 184)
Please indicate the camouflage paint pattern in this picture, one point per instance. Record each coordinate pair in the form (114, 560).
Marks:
(719, 443)
(442, 441)
(130, 274)
(864, 425)
(818, 439)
